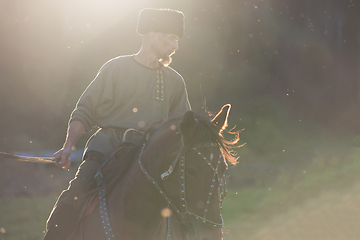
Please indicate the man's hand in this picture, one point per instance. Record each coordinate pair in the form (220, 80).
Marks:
(75, 130)
(62, 158)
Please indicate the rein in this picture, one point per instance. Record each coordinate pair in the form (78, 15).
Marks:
(157, 187)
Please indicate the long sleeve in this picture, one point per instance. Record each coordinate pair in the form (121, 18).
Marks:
(95, 95)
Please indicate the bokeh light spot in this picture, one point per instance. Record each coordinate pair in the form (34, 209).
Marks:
(166, 212)
(141, 124)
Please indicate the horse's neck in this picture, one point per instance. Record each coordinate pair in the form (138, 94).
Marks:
(135, 205)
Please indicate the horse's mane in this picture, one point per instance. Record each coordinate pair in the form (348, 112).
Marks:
(208, 130)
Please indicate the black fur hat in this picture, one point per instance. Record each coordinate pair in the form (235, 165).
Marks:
(161, 20)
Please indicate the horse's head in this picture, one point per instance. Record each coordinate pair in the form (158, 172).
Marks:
(192, 169)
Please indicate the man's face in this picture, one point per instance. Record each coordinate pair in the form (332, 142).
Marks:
(165, 45)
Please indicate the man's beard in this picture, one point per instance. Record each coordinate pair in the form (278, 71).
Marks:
(166, 60)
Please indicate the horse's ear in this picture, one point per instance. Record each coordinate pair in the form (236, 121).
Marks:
(188, 126)
(220, 120)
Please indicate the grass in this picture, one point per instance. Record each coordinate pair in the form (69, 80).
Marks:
(24, 218)
(245, 210)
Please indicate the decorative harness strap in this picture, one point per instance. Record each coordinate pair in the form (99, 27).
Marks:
(99, 178)
(104, 213)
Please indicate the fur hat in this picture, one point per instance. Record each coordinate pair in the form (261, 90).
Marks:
(161, 20)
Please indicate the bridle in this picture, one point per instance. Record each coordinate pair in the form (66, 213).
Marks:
(221, 181)
(183, 213)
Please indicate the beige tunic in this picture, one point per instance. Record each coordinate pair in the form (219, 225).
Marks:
(126, 94)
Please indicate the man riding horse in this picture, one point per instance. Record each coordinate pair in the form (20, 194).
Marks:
(127, 95)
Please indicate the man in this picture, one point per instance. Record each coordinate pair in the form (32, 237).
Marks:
(128, 92)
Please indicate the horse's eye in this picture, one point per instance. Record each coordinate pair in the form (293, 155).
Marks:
(191, 172)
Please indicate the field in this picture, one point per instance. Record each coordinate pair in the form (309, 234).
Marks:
(322, 205)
